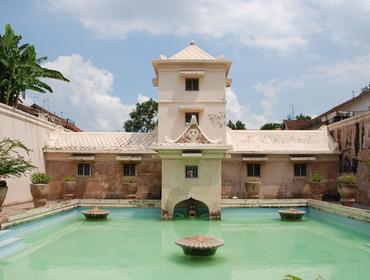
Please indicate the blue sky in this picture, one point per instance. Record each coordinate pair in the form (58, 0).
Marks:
(309, 54)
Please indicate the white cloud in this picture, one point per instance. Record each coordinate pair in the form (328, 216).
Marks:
(357, 68)
(234, 110)
(346, 22)
(281, 25)
(142, 98)
(88, 98)
(351, 71)
(268, 100)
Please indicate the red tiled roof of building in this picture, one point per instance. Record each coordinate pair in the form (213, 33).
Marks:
(295, 124)
(35, 110)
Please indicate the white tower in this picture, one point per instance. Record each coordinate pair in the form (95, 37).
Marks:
(191, 127)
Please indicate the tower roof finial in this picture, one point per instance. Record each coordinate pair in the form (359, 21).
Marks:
(192, 43)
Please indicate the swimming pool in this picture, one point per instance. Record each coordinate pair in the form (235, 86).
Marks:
(136, 244)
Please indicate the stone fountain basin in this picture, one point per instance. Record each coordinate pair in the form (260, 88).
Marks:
(199, 245)
(291, 214)
(95, 214)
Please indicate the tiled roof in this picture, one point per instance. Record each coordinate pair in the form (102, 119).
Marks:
(192, 52)
(239, 141)
(282, 141)
(101, 142)
(296, 124)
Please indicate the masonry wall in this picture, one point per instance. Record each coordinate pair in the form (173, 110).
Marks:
(353, 138)
(106, 180)
(277, 176)
(31, 131)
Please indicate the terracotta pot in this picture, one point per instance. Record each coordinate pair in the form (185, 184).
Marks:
(347, 194)
(317, 189)
(69, 189)
(40, 194)
(253, 186)
(3, 191)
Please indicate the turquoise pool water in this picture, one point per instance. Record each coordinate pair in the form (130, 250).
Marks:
(135, 244)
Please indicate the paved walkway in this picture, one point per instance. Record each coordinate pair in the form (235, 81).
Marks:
(20, 208)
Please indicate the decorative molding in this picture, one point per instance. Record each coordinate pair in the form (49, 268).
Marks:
(129, 158)
(193, 135)
(217, 119)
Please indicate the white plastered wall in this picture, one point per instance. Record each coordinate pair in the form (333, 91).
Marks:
(31, 131)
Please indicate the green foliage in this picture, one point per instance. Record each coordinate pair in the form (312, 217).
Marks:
(271, 126)
(291, 277)
(12, 162)
(302, 117)
(365, 89)
(238, 125)
(347, 179)
(143, 118)
(69, 178)
(40, 178)
(316, 177)
(20, 69)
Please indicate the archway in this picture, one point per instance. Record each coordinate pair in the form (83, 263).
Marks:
(191, 208)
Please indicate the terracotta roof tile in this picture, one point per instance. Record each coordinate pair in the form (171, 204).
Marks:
(282, 141)
(192, 52)
(101, 142)
(239, 141)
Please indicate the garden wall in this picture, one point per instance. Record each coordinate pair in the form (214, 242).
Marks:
(31, 131)
(353, 138)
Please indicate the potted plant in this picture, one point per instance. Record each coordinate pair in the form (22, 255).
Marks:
(69, 187)
(40, 188)
(12, 163)
(317, 185)
(347, 188)
(253, 186)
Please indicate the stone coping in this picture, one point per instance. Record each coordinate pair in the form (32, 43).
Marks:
(37, 213)
(344, 211)
(263, 203)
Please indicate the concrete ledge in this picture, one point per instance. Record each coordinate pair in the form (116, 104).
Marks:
(344, 211)
(120, 203)
(263, 203)
(37, 213)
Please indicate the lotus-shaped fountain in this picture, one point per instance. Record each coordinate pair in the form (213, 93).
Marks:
(199, 245)
(95, 214)
(291, 214)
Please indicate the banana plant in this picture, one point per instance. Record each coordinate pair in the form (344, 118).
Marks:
(20, 69)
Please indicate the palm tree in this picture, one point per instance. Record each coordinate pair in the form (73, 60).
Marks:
(20, 69)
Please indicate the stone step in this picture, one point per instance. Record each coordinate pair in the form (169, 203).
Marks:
(5, 234)
(10, 246)
(9, 242)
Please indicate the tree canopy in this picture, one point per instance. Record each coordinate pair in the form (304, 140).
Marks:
(143, 118)
(271, 126)
(20, 69)
(302, 117)
(238, 125)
